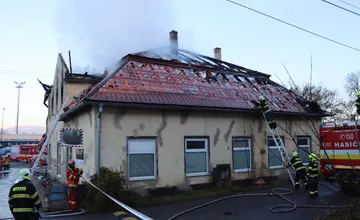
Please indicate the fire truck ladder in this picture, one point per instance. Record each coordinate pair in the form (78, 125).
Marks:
(280, 146)
(57, 118)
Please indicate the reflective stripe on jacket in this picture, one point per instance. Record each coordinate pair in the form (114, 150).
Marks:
(313, 169)
(265, 107)
(297, 163)
(73, 177)
(23, 197)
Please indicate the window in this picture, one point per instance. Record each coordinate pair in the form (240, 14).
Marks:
(242, 154)
(304, 148)
(141, 159)
(58, 171)
(196, 156)
(274, 156)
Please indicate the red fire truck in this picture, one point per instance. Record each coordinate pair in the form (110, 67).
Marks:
(339, 148)
(27, 151)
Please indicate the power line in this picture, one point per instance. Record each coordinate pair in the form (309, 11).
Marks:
(330, 3)
(349, 4)
(294, 26)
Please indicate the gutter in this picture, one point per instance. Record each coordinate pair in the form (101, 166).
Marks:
(182, 107)
(99, 139)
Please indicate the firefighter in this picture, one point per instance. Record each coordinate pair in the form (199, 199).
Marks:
(312, 174)
(73, 176)
(7, 163)
(357, 103)
(300, 170)
(24, 201)
(1, 163)
(265, 107)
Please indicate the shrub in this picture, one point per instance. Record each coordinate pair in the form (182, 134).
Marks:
(111, 182)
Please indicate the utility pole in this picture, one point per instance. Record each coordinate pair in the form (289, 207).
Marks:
(2, 124)
(18, 86)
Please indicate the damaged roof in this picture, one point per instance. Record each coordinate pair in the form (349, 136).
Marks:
(189, 80)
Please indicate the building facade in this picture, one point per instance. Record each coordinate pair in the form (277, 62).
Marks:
(169, 118)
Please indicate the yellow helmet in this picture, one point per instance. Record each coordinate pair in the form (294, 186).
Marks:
(358, 94)
(312, 156)
(295, 154)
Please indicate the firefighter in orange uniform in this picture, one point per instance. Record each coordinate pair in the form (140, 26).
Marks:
(73, 176)
(1, 163)
(7, 163)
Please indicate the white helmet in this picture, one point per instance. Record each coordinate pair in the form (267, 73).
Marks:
(261, 97)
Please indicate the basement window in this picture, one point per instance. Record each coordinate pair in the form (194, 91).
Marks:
(142, 159)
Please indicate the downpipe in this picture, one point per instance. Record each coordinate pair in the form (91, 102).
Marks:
(99, 138)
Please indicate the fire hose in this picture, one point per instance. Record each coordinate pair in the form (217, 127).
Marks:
(280, 192)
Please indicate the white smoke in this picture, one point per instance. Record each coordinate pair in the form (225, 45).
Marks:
(100, 33)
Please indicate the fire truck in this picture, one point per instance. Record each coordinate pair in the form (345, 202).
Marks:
(27, 151)
(339, 149)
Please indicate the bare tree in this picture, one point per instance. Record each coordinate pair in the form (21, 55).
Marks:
(352, 83)
(328, 99)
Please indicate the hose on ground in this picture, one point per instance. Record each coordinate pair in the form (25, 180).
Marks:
(65, 213)
(281, 192)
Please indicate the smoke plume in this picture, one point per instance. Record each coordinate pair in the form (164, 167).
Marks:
(100, 33)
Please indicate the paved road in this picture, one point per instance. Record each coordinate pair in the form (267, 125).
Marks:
(236, 208)
(6, 181)
(249, 207)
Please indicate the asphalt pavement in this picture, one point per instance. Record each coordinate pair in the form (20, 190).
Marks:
(252, 207)
(6, 181)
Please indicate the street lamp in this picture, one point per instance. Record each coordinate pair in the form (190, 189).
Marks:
(2, 124)
(18, 86)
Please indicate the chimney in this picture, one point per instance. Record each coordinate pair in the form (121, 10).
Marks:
(217, 53)
(174, 41)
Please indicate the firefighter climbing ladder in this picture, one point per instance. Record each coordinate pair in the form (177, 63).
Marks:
(280, 146)
(57, 118)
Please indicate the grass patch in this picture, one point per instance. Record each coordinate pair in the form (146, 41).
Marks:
(201, 194)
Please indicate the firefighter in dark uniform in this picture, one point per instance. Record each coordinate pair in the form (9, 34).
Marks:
(312, 174)
(357, 103)
(24, 201)
(265, 107)
(300, 170)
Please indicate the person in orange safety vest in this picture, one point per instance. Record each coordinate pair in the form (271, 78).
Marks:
(73, 175)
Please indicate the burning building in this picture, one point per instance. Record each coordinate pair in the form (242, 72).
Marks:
(171, 117)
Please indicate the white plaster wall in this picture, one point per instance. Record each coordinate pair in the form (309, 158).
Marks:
(119, 123)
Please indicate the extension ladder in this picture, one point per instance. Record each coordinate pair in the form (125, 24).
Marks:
(48, 137)
(280, 146)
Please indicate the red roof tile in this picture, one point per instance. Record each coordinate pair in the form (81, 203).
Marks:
(148, 83)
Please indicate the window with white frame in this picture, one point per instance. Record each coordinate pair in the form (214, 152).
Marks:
(196, 156)
(242, 154)
(304, 148)
(141, 159)
(274, 156)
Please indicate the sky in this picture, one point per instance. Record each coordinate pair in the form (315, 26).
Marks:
(99, 33)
